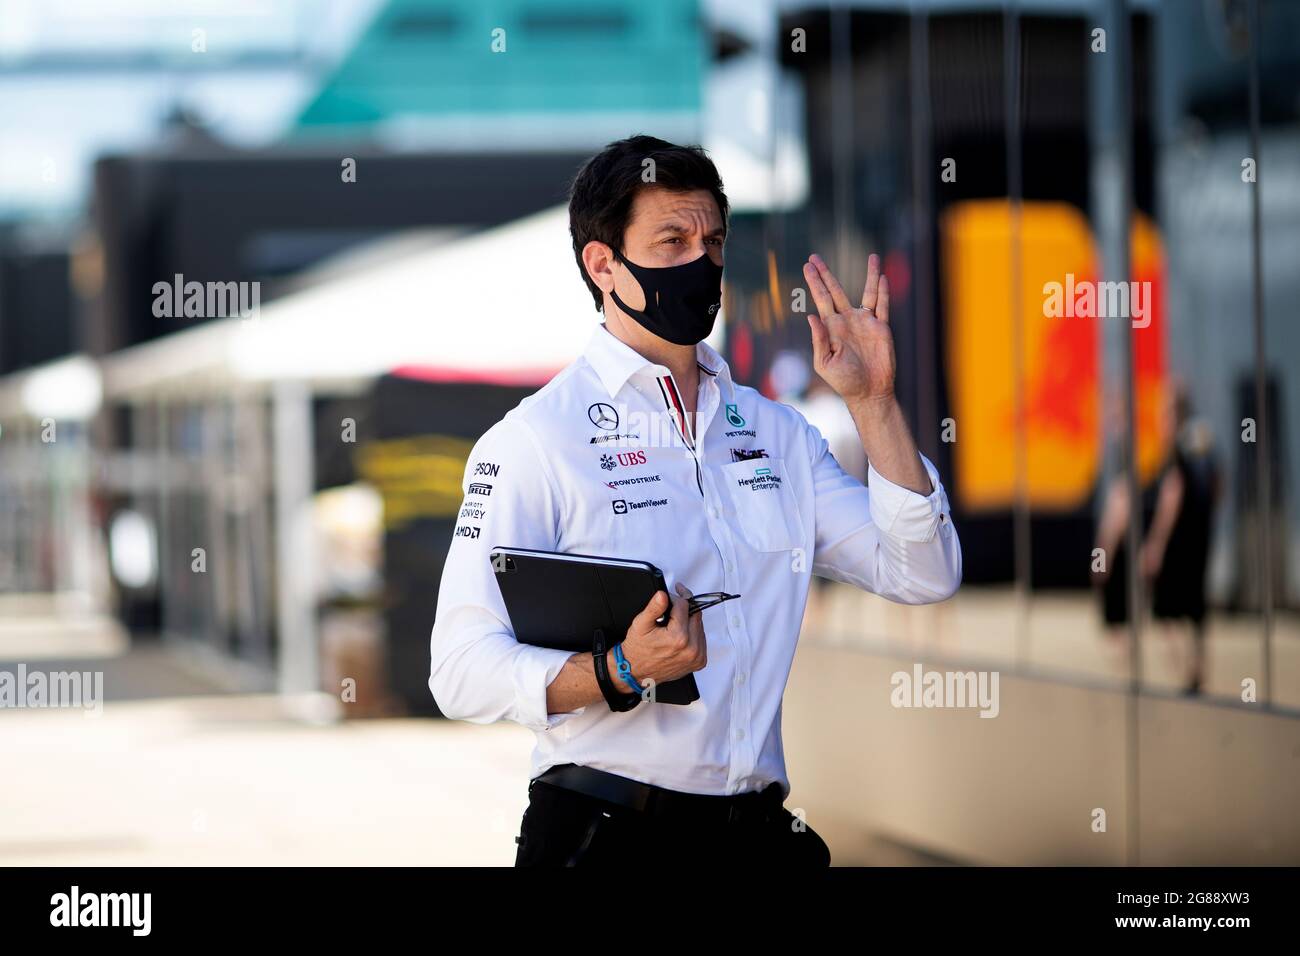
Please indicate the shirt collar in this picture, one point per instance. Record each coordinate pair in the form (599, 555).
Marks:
(615, 361)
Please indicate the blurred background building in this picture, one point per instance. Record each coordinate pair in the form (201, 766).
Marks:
(268, 269)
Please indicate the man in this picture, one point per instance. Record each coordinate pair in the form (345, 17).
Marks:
(736, 494)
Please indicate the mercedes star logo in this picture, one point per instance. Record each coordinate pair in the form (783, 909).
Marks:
(603, 416)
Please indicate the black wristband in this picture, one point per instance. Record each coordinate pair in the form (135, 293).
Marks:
(617, 700)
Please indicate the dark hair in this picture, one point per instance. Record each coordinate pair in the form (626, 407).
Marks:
(600, 199)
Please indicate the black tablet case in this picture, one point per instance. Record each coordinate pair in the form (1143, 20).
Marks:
(560, 604)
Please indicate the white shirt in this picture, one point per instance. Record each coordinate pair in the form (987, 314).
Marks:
(827, 412)
(749, 501)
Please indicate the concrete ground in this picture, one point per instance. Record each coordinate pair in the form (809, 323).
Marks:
(234, 780)
(176, 771)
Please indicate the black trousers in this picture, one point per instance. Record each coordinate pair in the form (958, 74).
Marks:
(564, 828)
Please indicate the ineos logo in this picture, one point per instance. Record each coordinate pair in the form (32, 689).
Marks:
(603, 416)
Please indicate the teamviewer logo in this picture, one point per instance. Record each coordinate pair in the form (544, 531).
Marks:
(620, 507)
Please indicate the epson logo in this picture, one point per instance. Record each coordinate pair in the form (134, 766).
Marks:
(487, 468)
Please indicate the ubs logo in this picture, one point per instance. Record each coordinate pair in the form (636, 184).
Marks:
(626, 458)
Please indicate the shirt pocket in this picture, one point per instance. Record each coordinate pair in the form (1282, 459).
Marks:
(765, 507)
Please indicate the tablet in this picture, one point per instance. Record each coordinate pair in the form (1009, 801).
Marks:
(560, 600)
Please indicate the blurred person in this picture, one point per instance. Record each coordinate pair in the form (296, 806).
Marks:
(789, 376)
(742, 495)
(1111, 579)
(1175, 554)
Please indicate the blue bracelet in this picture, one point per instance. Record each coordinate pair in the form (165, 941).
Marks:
(625, 670)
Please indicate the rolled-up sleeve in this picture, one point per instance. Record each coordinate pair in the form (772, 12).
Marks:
(478, 672)
(881, 536)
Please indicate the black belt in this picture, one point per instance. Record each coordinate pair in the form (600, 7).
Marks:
(660, 801)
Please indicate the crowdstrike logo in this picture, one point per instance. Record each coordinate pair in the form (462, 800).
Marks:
(632, 481)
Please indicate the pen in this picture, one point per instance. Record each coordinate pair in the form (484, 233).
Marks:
(700, 602)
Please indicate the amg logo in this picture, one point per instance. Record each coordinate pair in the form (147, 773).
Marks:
(475, 488)
(605, 439)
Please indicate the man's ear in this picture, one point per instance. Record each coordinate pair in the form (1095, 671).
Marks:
(598, 260)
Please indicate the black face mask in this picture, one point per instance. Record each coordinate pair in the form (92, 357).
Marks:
(681, 302)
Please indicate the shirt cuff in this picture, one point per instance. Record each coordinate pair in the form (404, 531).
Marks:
(533, 670)
(903, 513)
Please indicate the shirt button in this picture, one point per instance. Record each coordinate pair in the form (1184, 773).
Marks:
(740, 678)
(740, 734)
(735, 622)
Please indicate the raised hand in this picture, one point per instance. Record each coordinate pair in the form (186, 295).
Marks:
(853, 347)
(853, 350)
